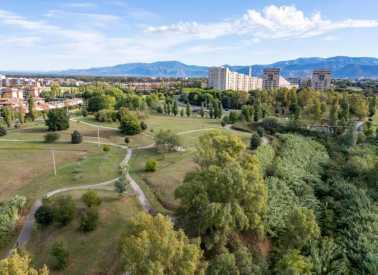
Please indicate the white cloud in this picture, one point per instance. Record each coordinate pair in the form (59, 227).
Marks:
(81, 5)
(272, 22)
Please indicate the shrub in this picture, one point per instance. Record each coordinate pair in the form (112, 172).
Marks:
(76, 137)
(151, 165)
(51, 137)
(91, 198)
(44, 216)
(120, 185)
(255, 141)
(9, 214)
(60, 256)
(57, 120)
(270, 124)
(143, 125)
(84, 113)
(64, 210)
(167, 141)
(129, 125)
(260, 131)
(106, 116)
(127, 140)
(89, 220)
(106, 148)
(3, 131)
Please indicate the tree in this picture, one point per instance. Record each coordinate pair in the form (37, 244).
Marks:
(60, 256)
(88, 219)
(91, 199)
(301, 228)
(31, 113)
(202, 111)
(20, 264)
(44, 215)
(150, 245)
(167, 141)
(129, 124)
(182, 113)
(120, 185)
(372, 106)
(151, 165)
(255, 141)
(100, 102)
(58, 120)
(224, 263)
(76, 137)
(64, 210)
(226, 195)
(188, 110)
(55, 89)
(8, 116)
(293, 263)
(143, 125)
(175, 108)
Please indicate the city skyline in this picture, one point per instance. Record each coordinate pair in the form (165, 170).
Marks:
(80, 34)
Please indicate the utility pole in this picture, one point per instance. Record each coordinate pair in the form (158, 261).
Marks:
(53, 159)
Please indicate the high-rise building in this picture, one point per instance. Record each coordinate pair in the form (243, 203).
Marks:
(274, 80)
(222, 78)
(321, 80)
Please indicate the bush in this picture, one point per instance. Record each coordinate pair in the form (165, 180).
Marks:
(9, 214)
(167, 141)
(89, 220)
(260, 131)
(255, 141)
(76, 137)
(3, 131)
(151, 165)
(143, 125)
(127, 140)
(60, 256)
(44, 216)
(120, 185)
(64, 210)
(84, 113)
(106, 148)
(51, 137)
(91, 198)
(106, 116)
(129, 125)
(57, 120)
(271, 125)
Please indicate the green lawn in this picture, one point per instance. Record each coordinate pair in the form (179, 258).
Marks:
(172, 168)
(91, 253)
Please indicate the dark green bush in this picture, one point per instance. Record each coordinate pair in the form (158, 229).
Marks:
(76, 137)
(51, 137)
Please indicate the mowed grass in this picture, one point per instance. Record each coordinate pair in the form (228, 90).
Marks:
(90, 253)
(171, 171)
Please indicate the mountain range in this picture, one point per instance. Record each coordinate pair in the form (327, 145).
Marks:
(341, 67)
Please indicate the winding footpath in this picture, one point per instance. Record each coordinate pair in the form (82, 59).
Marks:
(27, 229)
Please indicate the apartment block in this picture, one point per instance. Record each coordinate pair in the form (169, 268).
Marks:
(222, 78)
(321, 80)
(272, 79)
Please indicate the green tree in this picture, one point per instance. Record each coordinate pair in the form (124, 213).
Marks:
(76, 137)
(167, 141)
(301, 228)
(55, 89)
(44, 215)
(293, 263)
(255, 141)
(89, 219)
(60, 256)
(182, 113)
(151, 165)
(91, 199)
(58, 120)
(20, 264)
(31, 113)
(120, 185)
(224, 263)
(8, 115)
(175, 108)
(150, 245)
(188, 110)
(64, 210)
(130, 125)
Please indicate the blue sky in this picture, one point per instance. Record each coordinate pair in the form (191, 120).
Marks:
(54, 35)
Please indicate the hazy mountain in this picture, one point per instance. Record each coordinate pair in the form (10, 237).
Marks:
(341, 67)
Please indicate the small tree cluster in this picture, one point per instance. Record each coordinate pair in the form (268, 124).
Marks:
(76, 137)
(58, 120)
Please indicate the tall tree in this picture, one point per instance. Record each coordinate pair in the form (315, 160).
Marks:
(150, 245)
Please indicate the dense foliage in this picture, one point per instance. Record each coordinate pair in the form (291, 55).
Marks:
(58, 120)
(20, 263)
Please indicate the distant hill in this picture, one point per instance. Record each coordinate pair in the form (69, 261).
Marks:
(341, 67)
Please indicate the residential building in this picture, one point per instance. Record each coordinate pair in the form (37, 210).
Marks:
(274, 80)
(321, 80)
(2, 79)
(222, 78)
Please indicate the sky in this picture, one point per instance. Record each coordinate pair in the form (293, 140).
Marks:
(42, 35)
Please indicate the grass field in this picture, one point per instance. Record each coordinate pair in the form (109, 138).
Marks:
(95, 252)
(172, 168)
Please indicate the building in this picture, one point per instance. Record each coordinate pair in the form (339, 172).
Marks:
(321, 80)
(272, 79)
(2, 79)
(222, 78)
